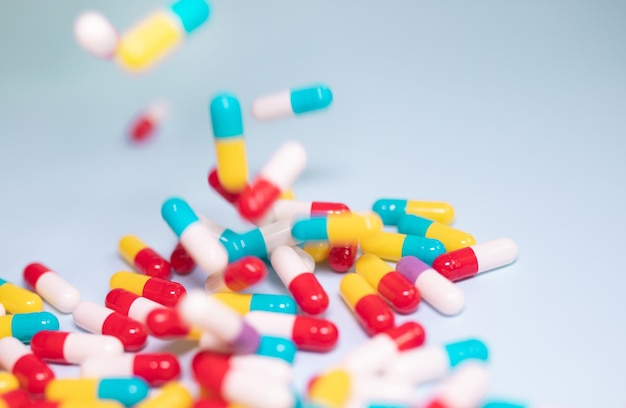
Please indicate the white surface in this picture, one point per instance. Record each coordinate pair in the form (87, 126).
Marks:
(511, 111)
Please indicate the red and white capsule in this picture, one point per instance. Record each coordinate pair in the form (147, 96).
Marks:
(52, 287)
(74, 348)
(131, 305)
(155, 368)
(292, 209)
(301, 283)
(31, 372)
(238, 275)
(181, 261)
(465, 388)
(145, 124)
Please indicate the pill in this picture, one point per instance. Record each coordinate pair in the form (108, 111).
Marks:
(145, 259)
(159, 33)
(243, 303)
(467, 262)
(431, 363)
(19, 300)
(155, 368)
(318, 250)
(131, 305)
(372, 313)
(291, 102)
(277, 347)
(230, 146)
(126, 390)
(342, 257)
(392, 286)
(180, 260)
(391, 209)
(198, 240)
(14, 399)
(464, 388)
(144, 125)
(292, 209)
(162, 291)
(52, 287)
(8, 382)
(308, 333)
(32, 373)
(342, 228)
(259, 242)
(451, 238)
(273, 369)
(393, 246)
(492, 403)
(301, 283)
(277, 175)
(437, 290)
(214, 183)
(102, 320)
(2, 310)
(167, 324)
(198, 309)
(75, 404)
(172, 395)
(96, 34)
(73, 348)
(23, 326)
(238, 275)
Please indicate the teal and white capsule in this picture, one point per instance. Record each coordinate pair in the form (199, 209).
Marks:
(197, 239)
(291, 102)
(277, 347)
(23, 326)
(430, 363)
(126, 390)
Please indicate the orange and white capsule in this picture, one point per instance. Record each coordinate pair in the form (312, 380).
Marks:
(52, 287)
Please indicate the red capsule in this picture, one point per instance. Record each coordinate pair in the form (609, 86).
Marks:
(31, 372)
(15, 399)
(167, 324)
(162, 291)
(180, 260)
(341, 258)
(131, 305)
(215, 184)
(372, 313)
(144, 125)
(244, 273)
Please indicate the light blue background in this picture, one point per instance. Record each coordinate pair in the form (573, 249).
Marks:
(513, 111)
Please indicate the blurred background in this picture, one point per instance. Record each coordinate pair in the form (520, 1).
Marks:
(514, 112)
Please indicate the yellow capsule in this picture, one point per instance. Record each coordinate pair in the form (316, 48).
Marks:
(129, 247)
(172, 395)
(6, 329)
(435, 210)
(127, 390)
(345, 228)
(353, 288)
(84, 389)
(318, 250)
(232, 165)
(239, 302)
(387, 245)
(149, 41)
(8, 382)
(287, 195)
(131, 281)
(331, 389)
(19, 300)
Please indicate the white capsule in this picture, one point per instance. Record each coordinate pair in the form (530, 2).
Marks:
(52, 287)
(419, 365)
(11, 350)
(273, 106)
(201, 244)
(285, 165)
(98, 366)
(96, 34)
(209, 341)
(272, 324)
(274, 369)
(91, 316)
(260, 391)
(370, 356)
(292, 102)
(465, 388)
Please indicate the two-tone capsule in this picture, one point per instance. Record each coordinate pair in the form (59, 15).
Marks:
(391, 209)
(145, 259)
(95, 33)
(19, 300)
(243, 303)
(342, 228)
(393, 246)
(14, 399)
(131, 305)
(291, 102)
(75, 404)
(162, 291)
(18, 359)
(238, 275)
(370, 310)
(52, 287)
(74, 348)
(126, 390)
(23, 326)
(145, 124)
(466, 387)
(167, 324)
(172, 395)
(8, 382)
(180, 260)
(155, 368)
(450, 237)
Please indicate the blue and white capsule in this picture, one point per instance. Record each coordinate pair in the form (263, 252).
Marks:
(277, 347)
(24, 326)
(197, 239)
(424, 364)
(291, 102)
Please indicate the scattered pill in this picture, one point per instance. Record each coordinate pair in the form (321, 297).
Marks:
(145, 259)
(243, 303)
(32, 373)
(393, 246)
(145, 124)
(74, 348)
(162, 291)
(465, 388)
(96, 34)
(131, 305)
(291, 102)
(451, 238)
(52, 287)
(126, 390)
(23, 326)
(155, 368)
(372, 313)
(19, 300)
(390, 210)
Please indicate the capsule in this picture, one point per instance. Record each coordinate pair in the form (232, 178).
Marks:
(467, 262)
(215, 372)
(390, 210)
(14, 399)
(371, 356)
(277, 347)
(162, 291)
(102, 320)
(131, 305)
(126, 390)
(372, 313)
(214, 183)
(19, 300)
(52, 287)
(318, 250)
(259, 242)
(209, 314)
(167, 324)
(145, 259)
(277, 175)
(23, 326)
(144, 126)
(155, 368)
(275, 370)
(244, 302)
(95, 33)
(431, 363)
(75, 404)
(341, 257)
(159, 33)
(291, 209)
(8, 382)
(2, 310)
(180, 260)
(302, 284)
(74, 348)
(343, 228)
(308, 333)
(508, 404)
(172, 395)
(239, 275)
(201, 244)
(392, 286)
(392, 246)
(230, 146)
(439, 292)
(17, 358)
(464, 388)
(451, 238)
(291, 102)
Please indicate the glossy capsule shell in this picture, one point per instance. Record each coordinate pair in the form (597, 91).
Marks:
(391, 209)
(73, 348)
(159, 33)
(230, 146)
(216, 185)
(238, 275)
(95, 33)
(19, 300)
(172, 395)
(180, 260)
(450, 237)
(259, 242)
(155, 368)
(467, 262)
(342, 257)
(31, 372)
(126, 390)
(52, 287)
(301, 283)
(318, 250)
(14, 398)
(23, 326)
(281, 348)
(162, 291)
(437, 290)
(131, 305)
(466, 387)
(343, 228)
(166, 323)
(393, 246)
(145, 259)
(8, 382)
(272, 369)
(102, 320)
(392, 286)
(370, 310)
(243, 303)
(284, 209)
(291, 102)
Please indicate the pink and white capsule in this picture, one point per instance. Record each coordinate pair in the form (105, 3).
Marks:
(52, 287)
(96, 34)
(465, 388)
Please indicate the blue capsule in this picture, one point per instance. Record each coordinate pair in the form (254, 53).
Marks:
(292, 102)
(23, 326)
(277, 347)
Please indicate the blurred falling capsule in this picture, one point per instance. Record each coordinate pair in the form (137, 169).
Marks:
(145, 124)
(96, 34)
